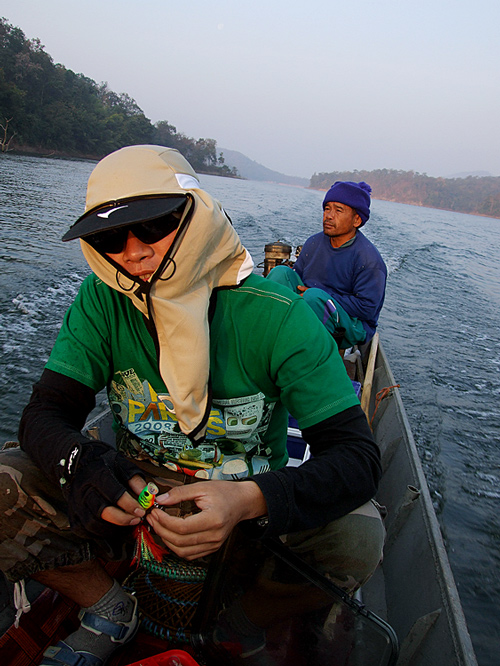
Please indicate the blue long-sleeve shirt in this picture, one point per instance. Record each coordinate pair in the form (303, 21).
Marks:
(354, 275)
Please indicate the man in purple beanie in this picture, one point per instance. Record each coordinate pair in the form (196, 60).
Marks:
(339, 272)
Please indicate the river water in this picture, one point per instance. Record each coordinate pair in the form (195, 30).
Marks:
(439, 327)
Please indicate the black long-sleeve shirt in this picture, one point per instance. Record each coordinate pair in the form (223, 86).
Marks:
(342, 474)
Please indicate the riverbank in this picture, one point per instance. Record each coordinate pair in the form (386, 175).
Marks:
(30, 151)
(410, 202)
(472, 195)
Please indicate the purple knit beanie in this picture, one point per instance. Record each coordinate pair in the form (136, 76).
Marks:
(355, 195)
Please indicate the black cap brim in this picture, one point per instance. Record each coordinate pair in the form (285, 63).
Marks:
(124, 213)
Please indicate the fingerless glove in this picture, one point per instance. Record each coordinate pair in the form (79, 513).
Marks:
(95, 476)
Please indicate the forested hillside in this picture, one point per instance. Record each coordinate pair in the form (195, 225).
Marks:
(46, 108)
(475, 195)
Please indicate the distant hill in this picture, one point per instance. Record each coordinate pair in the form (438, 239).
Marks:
(247, 168)
(471, 194)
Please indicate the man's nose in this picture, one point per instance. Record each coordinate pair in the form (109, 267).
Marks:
(135, 249)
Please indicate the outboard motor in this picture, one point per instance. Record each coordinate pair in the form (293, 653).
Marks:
(275, 254)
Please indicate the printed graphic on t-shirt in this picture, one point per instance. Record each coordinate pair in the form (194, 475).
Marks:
(234, 444)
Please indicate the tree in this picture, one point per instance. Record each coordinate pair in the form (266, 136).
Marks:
(165, 134)
(6, 139)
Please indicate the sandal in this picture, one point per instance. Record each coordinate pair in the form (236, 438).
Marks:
(120, 633)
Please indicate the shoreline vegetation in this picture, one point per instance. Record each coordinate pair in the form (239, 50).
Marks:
(474, 195)
(30, 151)
(49, 111)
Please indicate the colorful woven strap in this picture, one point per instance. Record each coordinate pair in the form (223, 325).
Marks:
(175, 569)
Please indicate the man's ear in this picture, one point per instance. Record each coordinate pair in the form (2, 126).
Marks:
(357, 221)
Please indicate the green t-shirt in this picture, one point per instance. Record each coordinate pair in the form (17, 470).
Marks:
(269, 355)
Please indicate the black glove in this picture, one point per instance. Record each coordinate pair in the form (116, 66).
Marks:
(95, 476)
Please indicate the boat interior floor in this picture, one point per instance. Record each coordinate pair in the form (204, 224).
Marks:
(311, 618)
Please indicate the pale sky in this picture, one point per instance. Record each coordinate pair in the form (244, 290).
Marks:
(300, 87)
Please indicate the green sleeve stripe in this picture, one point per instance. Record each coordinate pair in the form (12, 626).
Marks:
(265, 294)
(73, 372)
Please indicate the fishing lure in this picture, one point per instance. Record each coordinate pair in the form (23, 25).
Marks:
(148, 494)
(146, 548)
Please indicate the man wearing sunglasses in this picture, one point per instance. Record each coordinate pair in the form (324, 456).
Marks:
(202, 361)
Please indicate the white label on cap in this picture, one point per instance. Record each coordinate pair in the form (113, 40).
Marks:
(187, 182)
(108, 212)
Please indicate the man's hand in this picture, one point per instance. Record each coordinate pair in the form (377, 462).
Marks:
(301, 289)
(97, 478)
(223, 504)
(129, 511)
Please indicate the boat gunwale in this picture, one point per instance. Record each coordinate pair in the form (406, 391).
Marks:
(449, 595)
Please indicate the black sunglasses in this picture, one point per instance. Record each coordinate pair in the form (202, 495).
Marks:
(113, 241)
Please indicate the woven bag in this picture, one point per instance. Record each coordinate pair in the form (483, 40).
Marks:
(168, 593)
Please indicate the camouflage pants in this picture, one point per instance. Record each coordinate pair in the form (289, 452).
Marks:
(35, 534)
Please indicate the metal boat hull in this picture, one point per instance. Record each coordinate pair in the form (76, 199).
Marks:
(414, 589)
